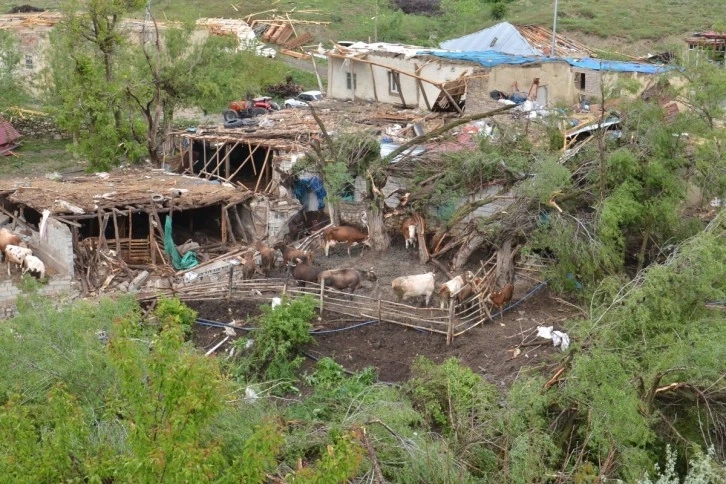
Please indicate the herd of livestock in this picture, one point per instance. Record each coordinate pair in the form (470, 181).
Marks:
(18, 253)
(303, 270)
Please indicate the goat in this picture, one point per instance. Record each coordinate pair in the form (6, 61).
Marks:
(34, 265)
(350, 235)
(342, 279)
(453, 288)
(409, 229)
(413, 286)
(500, 298)
(15, 254)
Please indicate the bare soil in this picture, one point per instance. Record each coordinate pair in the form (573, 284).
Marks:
(489, 350)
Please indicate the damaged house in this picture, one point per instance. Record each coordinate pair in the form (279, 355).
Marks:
(451, 80)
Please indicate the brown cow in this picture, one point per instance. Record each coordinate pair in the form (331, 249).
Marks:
(267, 257)
(350, 235)
(303, 273)
(8, 238)
(289, 254)
(500, 298)
(342, 279)
(409, 229)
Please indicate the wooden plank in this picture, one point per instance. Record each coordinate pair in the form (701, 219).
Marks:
(292, 53)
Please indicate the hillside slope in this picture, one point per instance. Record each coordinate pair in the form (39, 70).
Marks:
(621, 25)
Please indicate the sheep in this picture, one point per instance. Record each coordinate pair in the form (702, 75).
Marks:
(15, 254)
(34, 265)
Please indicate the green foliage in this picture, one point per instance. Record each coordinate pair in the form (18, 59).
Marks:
(40, 349)
(498, 10)
(702, 469)
(449, 395)
(548, 177)
(12, 92)
(173, 312)
(280, 334)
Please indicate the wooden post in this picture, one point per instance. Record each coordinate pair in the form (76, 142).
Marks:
(373, 78)
(191, 155)
(224, 226)
(317, 74)
(322, 288)
(226, 160)
(379, 309)
(450, 331)
(231, 275)
(115, 230)
(262, 171)
(152, 247)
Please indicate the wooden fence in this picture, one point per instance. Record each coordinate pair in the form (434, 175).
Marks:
(455, 321)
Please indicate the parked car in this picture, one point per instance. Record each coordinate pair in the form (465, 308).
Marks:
(302, 99)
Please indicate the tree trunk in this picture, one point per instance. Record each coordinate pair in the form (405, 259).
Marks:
(465, 251)
(334, 209)
(505, 263)
(377, 233)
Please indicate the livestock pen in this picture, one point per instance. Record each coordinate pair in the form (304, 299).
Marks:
(452, 322)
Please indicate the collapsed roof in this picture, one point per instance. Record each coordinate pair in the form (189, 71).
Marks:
(127, 187)
(527, 40)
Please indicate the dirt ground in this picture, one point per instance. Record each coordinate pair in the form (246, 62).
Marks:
(488, 350)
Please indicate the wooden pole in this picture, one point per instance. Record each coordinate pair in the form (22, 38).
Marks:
(191, 155)
(262, 171)
(379, 309)
(450, 331)
(152, 244)
(224, 226)
(115, 231)
(317, 74)
(231, 276)
(373, 78)
(397, 81)
(322, 288)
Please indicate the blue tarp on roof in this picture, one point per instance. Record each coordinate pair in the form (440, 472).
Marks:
(503, 37)
(490, 58)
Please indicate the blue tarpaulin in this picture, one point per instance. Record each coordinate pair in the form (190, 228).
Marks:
(312, 184)
(490, 58)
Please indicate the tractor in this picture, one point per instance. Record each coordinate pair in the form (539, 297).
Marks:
(249, 109)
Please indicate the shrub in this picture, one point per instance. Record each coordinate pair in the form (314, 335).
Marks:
(173, 312)
(421, 7)
(281, 332)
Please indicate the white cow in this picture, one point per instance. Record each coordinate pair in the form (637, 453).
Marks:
(414, 286)
(450, 288)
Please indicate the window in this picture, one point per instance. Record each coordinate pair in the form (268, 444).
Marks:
(580, 80)
(350, 81)
(394, 80)
(28, 61)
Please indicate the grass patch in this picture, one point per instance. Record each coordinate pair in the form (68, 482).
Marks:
(39, 156)
(621, 19)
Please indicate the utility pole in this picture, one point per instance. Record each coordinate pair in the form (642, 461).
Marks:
(554, 31)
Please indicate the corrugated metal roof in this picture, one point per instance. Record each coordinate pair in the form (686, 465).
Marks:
(7, 132)
(503, 37)
(492, 59)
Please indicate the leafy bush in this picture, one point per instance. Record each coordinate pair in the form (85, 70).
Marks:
(420, 7)
(173, 312)
(275, 351)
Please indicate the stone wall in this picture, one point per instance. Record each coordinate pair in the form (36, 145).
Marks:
(56, 249)
(43, 127)
(61, 285)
